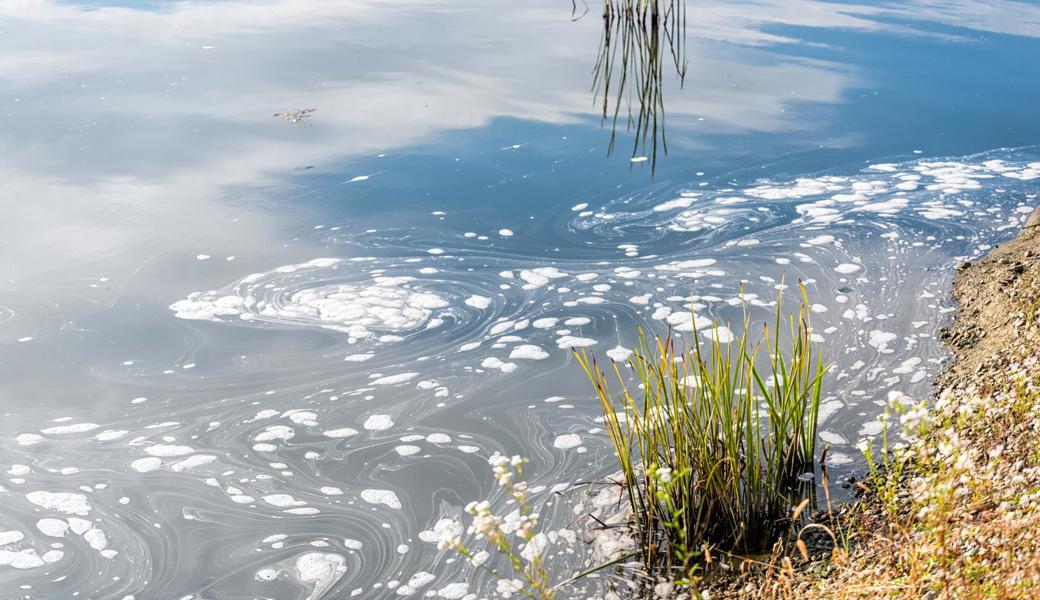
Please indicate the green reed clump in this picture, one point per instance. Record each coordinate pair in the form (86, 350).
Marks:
(712, 441)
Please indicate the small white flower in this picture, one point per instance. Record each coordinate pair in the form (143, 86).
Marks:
(526, 525)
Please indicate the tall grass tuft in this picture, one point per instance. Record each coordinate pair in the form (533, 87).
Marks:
(711, 442)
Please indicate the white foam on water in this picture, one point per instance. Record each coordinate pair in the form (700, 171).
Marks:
(110, 434)
(386, 497)
(323, 569)
(70, 429)
(342, 432)
(308, 510)
(21, 559)
(719, 333)
(28, 439)
(96, 539)
(196, 460)
(871, 428)
(458, 590)
(570, 341)
(394, 379)
(832, 438)
(169, 450)
(820, 240)
(686, 321)
(63, 502)
(538, 277)
(10, 537)
(53, 556)
(567, 441)
(443, 527)
(705, 218)
(420, 579)
(528, 352)
(302, 417)
(619, 353)
(481, 302)
(379, 423)
(274, 433)
(407, 450)
(881, 339)
(828, 408)
(493, 362)
(908, 365)
(282, 500)
(266, 575)
(80, 526)
(384, 304)
(683, 202)
(146, 465)
(52, 527)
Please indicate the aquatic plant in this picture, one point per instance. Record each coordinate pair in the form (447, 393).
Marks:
(711, 441)
(514, 536)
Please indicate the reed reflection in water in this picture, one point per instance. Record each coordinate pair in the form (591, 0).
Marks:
(639, 38)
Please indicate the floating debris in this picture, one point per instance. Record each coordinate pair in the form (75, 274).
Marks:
(297, 117)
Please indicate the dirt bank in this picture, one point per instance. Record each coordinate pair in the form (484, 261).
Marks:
(957, 515)
(992, 295)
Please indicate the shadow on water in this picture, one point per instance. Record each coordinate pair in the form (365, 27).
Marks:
(639, 38)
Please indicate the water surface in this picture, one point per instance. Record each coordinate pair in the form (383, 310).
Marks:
(249, 357)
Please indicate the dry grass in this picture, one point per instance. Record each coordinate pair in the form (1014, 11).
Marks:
(966, 522)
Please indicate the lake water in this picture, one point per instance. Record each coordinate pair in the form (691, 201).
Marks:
(248, 356)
